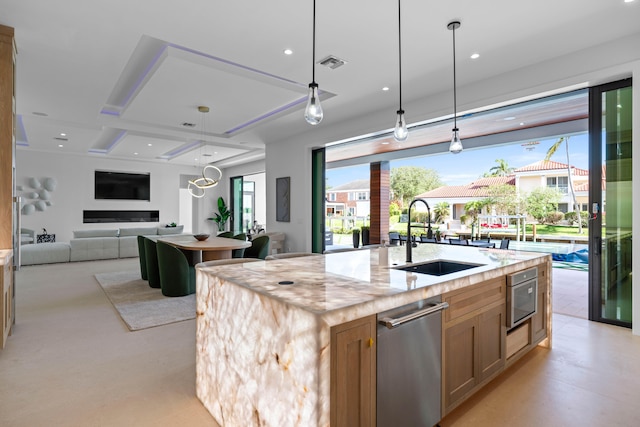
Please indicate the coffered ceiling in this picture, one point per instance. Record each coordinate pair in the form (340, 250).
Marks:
(123, 79)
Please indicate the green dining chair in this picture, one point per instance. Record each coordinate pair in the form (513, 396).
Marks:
(259, 248)
(143, 260)
(177, 277)
(227, 234)
(239, 253)
(151, 257)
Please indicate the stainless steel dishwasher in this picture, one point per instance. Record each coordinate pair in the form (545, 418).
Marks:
(409, 363)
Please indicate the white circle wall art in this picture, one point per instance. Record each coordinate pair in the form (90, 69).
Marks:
(28, 209)
(40, 205)
(32, 195)
(44, 194)
(50, 184)
(34, 183)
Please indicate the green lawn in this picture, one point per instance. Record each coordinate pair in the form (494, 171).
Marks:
(557, 230)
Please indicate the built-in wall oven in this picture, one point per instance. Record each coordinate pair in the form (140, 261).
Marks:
(522, 296)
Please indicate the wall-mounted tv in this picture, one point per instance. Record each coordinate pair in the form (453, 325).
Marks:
(122, 185)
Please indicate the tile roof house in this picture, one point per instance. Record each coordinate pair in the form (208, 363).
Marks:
(544, 173)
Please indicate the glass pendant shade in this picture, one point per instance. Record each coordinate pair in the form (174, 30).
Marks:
(313, 113)
(400, 133)
(456, 145)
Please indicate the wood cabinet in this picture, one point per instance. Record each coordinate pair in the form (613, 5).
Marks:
(537, 329)
(539, 321)
(474, 334)
(6, 296)
(7, 134)
(353, 373)
(7, 171)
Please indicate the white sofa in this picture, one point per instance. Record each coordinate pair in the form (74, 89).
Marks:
(89, 245)
(94, 244)
(128, 238)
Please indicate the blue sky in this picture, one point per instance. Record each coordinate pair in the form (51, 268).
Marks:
(460, 169)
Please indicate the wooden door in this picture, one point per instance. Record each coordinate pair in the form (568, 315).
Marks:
(353, 373)
(492, 331)
(460, 361)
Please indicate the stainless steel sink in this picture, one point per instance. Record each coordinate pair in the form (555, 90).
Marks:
(438, 267)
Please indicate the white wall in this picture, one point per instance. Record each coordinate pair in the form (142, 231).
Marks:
(75, 190)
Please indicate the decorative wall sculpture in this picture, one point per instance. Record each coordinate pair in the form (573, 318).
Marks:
(37, 194)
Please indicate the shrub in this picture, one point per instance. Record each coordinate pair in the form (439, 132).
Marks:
(554, 217)
(394, 209)
(572, 217)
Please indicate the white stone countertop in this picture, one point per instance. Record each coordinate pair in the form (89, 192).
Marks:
(348, 285)
(4, 255)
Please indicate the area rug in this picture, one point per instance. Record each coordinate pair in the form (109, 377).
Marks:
(141, 306)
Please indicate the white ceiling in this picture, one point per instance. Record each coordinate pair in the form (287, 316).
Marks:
(121, 77)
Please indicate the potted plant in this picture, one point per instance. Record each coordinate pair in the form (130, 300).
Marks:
(355, 234)
(365, 231)
(222, 216)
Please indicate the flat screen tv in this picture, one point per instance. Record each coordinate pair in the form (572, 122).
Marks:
(122, 185)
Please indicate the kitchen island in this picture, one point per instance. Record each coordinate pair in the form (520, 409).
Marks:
(267, 332)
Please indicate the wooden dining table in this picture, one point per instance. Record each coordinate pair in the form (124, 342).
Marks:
(206, 250)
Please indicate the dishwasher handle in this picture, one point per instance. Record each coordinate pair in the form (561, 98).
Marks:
(391, 323)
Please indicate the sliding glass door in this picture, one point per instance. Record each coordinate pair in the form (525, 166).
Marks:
(610, 203)
(236, 204)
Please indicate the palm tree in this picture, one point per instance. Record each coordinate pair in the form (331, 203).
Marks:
(441, 211)
(502, 169)
(550, 152)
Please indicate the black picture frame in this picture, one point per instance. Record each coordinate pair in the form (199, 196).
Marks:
(283, 199)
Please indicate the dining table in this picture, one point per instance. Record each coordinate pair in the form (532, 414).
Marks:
(212, 248)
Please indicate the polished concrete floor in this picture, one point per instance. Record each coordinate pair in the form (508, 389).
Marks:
(72, 362)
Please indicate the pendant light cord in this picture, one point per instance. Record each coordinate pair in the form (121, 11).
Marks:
(399, 55)
(455, 106)
(313, 63)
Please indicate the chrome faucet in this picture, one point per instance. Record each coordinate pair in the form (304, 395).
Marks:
(410, 242)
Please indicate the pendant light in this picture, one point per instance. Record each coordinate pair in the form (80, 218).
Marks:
(313, 113)
(456, 145)
(400, 133)
(198, 186)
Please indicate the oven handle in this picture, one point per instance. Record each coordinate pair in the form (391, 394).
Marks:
(391, 322)
(525, 283)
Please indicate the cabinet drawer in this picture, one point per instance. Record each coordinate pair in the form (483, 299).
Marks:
(518, 339)
(467, 300)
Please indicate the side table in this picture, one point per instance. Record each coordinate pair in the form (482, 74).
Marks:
(46, 238)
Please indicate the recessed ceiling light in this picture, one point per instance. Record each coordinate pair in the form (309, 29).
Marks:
(149, 145)
(63, 134)
(60, 145)
(475, 56)
(386, 88)
(288, 52)
(521, 123)
(135, 154)
(629, 1)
